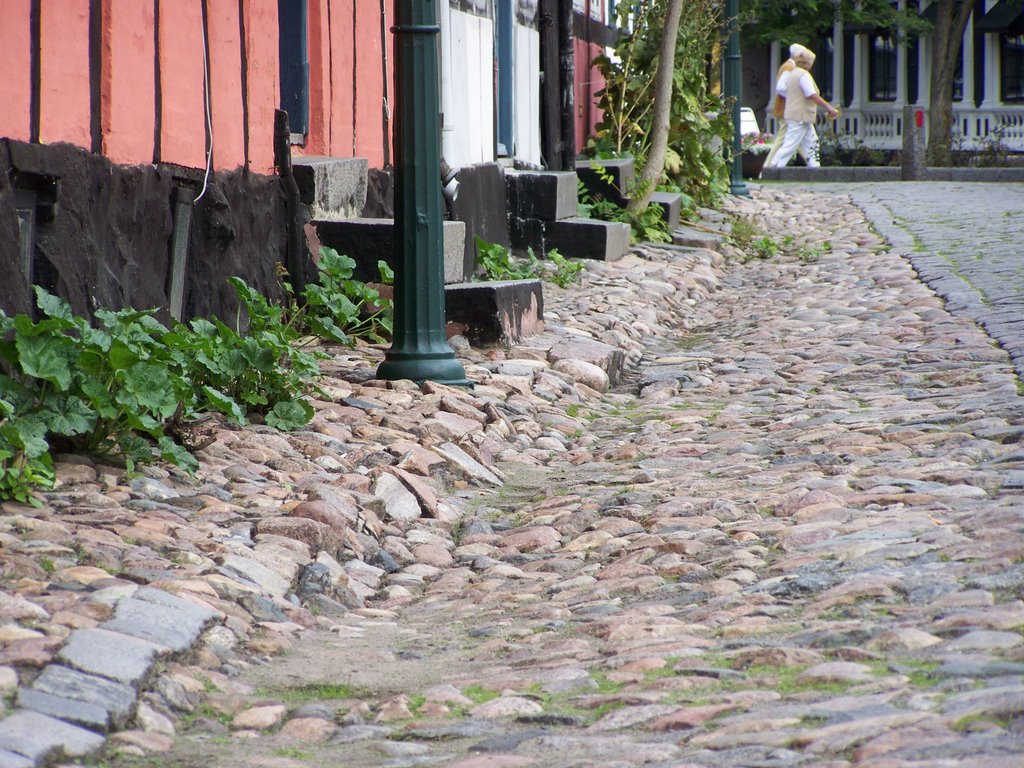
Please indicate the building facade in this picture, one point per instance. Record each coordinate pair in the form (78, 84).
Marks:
(873, 73)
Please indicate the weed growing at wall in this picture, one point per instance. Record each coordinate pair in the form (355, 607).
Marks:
(125, 385)
(498, 264)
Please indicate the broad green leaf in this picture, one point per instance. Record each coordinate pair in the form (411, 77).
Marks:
(177, 455)
(135, 449)
(151, 388)
(120, 356)
(46, 358)
(224, 404)
(52, 306)
(289, 414)
(99, 398)
(69, 416)
(29, 434)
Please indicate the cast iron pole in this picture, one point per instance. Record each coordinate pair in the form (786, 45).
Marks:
(734, 90)
(419, 348)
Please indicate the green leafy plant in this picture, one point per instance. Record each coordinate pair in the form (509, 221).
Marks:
(108, 389)
(646, 225)
(340, 308)
(563, 272)
(498, 264)
(699, 120)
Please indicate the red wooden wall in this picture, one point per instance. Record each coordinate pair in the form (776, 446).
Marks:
(588, 81)
(347, 43)
(125, 78)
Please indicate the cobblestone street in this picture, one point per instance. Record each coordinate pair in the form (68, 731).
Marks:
(964, 240)
(791, 535)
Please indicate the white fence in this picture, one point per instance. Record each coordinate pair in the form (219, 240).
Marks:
(881, 126)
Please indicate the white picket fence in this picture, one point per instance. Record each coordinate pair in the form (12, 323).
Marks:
(881, 126)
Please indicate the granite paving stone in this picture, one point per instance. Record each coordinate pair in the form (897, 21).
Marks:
(724, 510)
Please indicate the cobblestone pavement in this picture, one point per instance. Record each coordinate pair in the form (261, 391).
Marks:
(791, 536)
(965, 241)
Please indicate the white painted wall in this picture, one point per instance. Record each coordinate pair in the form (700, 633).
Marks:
(467, 87)
(526, 93)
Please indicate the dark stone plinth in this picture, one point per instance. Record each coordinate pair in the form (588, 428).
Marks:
(526, 233)
(333, 187)
(496, 311)
(367, 241)
(588, 238)
(617, 189)
(547, 195)
(482, 205)
(670, 203)
(106, 242)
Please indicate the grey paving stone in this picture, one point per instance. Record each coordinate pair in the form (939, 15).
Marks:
(82, 713)
(116, 698)
(173, 623)
(110, 654)
(41, 738)
(11, 760)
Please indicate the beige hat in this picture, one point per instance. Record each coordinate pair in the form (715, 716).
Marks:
(795, 50)
(804, 58)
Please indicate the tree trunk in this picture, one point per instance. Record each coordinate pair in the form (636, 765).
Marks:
(655, 164)
(947, 39)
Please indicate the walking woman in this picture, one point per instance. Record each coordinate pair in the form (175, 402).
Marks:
(779, 105)
(802, 100)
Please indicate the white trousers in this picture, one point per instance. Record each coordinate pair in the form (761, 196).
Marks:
(799, 135)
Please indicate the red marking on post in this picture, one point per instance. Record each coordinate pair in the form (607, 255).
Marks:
(919, 118)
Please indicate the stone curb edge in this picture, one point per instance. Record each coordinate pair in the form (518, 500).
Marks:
(94, 685)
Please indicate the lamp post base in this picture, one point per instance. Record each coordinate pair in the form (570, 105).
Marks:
(440, 367)
(739, 188)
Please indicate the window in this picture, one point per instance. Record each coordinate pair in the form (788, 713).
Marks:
(882, 67)
(824, 65)
(1012, 67)
(958, 77)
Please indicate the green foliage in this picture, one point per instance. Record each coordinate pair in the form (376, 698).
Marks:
(805, 21)
(646, 225)
(340, 308)
(124, 385)
(99, 390)
(498, 264)
(563, 272)
(755, 244)
(699, 120)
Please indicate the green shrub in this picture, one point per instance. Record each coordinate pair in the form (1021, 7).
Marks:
(498, 264)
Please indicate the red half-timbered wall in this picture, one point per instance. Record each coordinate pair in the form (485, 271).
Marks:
(125, 78)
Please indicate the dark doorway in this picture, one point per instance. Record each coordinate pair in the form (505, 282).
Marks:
(294, 59)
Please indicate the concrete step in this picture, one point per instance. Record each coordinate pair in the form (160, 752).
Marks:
(495, 311)
(617, 188)
(547, 195)
(368, 241)
(671, 203)
(334, 188)
(580, 238)
(696, 238)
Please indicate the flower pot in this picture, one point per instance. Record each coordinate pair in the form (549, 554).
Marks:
(752, 164)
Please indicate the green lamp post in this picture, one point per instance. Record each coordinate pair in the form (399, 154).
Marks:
(734, 90)
(419, 348)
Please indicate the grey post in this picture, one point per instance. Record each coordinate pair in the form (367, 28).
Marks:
(913, 166)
